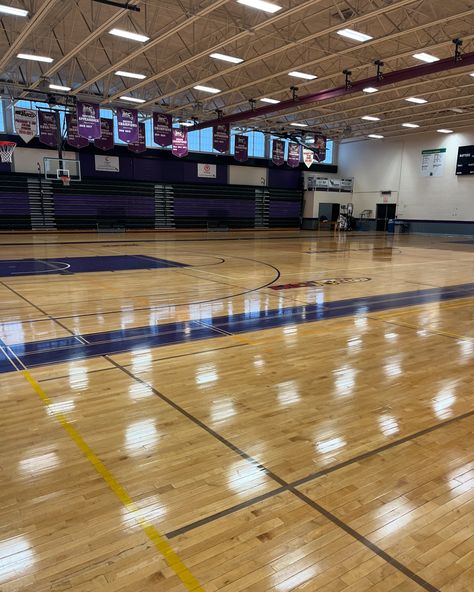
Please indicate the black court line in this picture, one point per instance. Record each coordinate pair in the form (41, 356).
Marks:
(284, 486)
(318, 474)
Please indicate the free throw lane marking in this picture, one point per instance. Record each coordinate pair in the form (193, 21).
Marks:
(165, 549)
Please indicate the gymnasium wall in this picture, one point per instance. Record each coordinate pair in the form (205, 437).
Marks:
(431, 204)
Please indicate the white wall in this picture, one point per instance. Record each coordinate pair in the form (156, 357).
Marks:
(25, 160)
(244, 175)
(312, 199)
(395, 165)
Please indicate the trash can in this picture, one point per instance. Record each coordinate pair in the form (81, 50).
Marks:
(391, 226)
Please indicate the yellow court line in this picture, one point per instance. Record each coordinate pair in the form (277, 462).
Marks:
(171, 558)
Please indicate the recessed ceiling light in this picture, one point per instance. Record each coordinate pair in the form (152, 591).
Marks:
(132, 99)
(376, 136)
(129, 35)
(302, 75)
(13, 11)
(226, 58)
(208, 89)
(426, 57)
(59, 87)
(34, 58)
(355, 35)
(445, 131)
(370, 89)
(370, 118)
(130, 75)
(271, 101)
(416, 100)
(261, 5)
(413, 125)
(299, 124)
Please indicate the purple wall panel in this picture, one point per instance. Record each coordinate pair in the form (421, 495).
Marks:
(5, 167)
(89, 205)
(236, 208)
(14, 204)
(283, 179)
(285, 209)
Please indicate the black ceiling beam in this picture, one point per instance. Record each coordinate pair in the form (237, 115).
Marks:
(125, 5)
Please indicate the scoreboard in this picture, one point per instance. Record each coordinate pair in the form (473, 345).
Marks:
(465, 164)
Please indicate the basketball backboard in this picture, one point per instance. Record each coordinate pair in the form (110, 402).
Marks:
(55, 168)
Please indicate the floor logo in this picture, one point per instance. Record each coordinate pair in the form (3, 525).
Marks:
(323, 282)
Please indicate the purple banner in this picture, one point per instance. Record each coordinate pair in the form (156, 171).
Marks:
(48, 131)
(293, 155)
(320, 148)
(73, 138)
(221, 137)
(106, 141)
(278, 152)
(88, 120)
(162, 129)
(241, 152)
(139, 146)
(127, 125)
(180, 142)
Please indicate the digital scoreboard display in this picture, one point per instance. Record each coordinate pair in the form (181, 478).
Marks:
(465, 165)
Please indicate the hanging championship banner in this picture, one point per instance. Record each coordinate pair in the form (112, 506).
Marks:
(293, 155)
(88, 120)
(241, 152)
(320, 146)
(25, 123)
(221, 137)
(127, 125)
(48, 131)
(308, 157)
(73, 138)
(180, 142)
(162, 129)
(139, 146)
(106, 140)
(278, 152)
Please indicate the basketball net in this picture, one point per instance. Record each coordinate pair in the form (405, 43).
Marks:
(6, 151)
(66, 180)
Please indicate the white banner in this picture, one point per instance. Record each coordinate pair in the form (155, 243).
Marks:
(207, 170)
(110, 164)
(308, 157)
(25, 123)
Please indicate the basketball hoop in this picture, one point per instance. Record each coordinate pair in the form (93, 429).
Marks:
(6, 151)
(66, 180)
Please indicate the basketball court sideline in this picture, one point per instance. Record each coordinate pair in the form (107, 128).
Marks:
(278, 411)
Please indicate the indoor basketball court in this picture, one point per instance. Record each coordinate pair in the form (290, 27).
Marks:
(236, 295)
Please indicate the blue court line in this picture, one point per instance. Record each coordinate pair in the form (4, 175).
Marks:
(52, 351)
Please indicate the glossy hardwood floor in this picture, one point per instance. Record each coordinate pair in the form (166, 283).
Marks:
(236, 422)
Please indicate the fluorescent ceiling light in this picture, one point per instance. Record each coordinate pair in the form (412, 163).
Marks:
(445, 131)
(130, 75)
(226, 58)
(260, 5)
(413, 125)
(370, 118)
(426, 57)
(416, 100)
(271, 101)
(472, 74)
(370, 89)
(59, 87)
(186, 123)
(129, 35)
(208, 89)
(355, 35)
(457, 110)
(132, 99)
(34, 58)
(299, 124)
(13, 11)
(376, 136)
(302, 75)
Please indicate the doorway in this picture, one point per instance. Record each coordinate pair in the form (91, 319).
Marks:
(384, 213)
